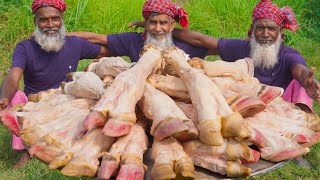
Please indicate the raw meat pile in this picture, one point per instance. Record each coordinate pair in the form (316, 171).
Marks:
(207, 114)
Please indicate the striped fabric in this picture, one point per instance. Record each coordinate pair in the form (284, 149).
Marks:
(283, 17)
(168, 8)
(59, 4)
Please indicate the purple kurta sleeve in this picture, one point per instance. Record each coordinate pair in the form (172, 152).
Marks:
(294, 57)
(233, 49)
(19, 58)
(88, 49)
(117, 44)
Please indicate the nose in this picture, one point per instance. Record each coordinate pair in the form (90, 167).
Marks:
(265, 33)
(50, 23)
(158, 27)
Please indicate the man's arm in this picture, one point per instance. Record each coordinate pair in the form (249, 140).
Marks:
(10, 86)
(306, 78)
(92, 37)
(104, 52)
(197, 39)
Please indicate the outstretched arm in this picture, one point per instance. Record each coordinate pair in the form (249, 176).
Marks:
(10, 86)
(306, 78)
(90, 36)
(197, 39)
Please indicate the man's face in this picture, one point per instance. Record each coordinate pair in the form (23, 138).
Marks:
(266, 31)
(49, 20)
(159, 25)
(50, 31)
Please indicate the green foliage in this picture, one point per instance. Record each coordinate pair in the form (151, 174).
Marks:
(228, 18)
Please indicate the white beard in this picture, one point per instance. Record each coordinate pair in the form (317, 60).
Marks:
(162, 43)
(50, 43)
(265, 56)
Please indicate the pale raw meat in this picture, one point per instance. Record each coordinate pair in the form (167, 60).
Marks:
(108, 66)
(85, 162)
(115, 110)
(127, 152)
(232, 126)
(175, 87)
(277, 147)
(48, 113)
(285, 127)
(168, 119)
(204, 94)
(237, 70)
(289, 110)
(170, 160)
(64, 135)
(64, 156)
(32, 134)
(44, 95)
(84, 85)
(222, 159)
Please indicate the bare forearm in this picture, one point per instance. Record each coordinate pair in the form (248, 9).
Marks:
(300, 73)
(197, 39)
(92, 37)
(187, 36)
(8, 88)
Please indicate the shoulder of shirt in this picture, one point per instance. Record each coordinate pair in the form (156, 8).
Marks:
(238, 41)
(288, 49)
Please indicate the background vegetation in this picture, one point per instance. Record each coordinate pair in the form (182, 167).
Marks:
(228, 18)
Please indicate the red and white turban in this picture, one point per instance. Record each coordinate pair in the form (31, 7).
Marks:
(168, 8)
(283, 17)
(58, 4)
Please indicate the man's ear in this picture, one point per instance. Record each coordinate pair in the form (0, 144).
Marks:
(173, 24)
(281, 29)
(34, 20)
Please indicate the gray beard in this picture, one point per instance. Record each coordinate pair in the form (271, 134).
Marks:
(162, 43)
(50, 43)
(265, 56)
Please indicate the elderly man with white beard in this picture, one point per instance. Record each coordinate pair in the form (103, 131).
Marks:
(44, 60)
(275, 63)
(160, 17)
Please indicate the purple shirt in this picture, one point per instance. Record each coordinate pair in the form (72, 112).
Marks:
(131, 43)
(280, 75)
(45, 70)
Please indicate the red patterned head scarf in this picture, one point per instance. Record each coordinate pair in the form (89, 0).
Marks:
(168, 8)
(283, 17)
(58, 4)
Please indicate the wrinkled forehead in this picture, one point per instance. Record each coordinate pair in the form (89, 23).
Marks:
(48, 11)
(265, 22)
(158, 17)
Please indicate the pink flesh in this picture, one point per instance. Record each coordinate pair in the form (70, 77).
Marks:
(107, 169)
(11, 121)
(131, 172)
(116, 128)
(170, 128)
(93, 120)
(256, 157)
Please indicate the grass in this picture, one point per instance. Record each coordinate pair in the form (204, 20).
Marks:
(228, 18)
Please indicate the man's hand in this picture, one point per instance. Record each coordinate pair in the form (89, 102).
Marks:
(136, 24)
(4, 103)
(311, 85)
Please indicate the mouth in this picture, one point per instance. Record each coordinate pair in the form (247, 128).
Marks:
(265, 42)
(158, 36)
(51, 32)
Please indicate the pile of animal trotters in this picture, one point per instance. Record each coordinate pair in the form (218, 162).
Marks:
(215, 115)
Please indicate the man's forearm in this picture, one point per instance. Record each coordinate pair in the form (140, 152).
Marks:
(92, 37)
(8, 88)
